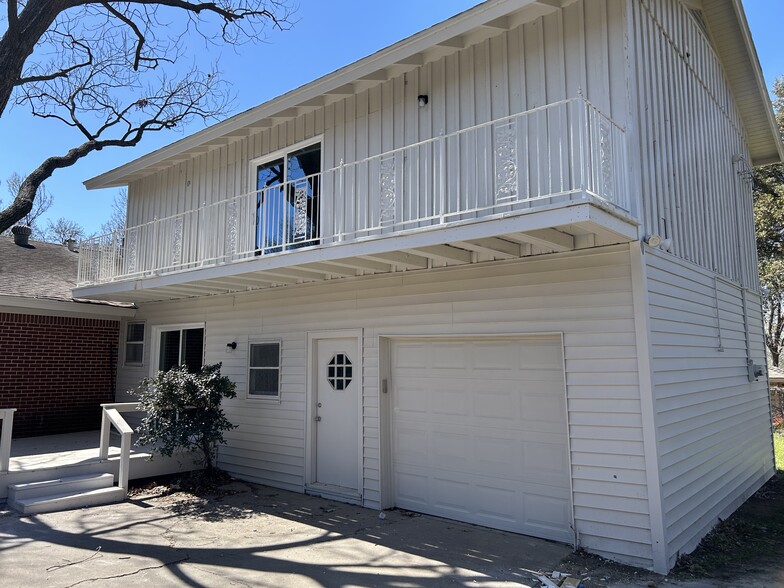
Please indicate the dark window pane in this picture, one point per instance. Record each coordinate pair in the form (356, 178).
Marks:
(135, 332)
(265, 355)
(338, 384)
(349, 371)
(193, 353)
(269, 174)
(331, 371)
(264, 382)
(279, 186)
(170, 350)
(133, 353)
(304, 162)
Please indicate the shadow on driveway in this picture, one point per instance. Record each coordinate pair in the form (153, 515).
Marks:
(252, 535)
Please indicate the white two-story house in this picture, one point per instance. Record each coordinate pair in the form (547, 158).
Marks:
(502, 271)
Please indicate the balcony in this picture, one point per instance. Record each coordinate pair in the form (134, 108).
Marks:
(549, 179)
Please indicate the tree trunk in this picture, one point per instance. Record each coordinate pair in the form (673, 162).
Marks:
(19, 40)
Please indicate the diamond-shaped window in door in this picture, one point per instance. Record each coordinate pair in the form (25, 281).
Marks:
(340, 371)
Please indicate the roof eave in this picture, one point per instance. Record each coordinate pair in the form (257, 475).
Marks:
(459, 24)
(762, 88)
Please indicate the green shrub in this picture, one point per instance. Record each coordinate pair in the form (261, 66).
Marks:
(184, 413)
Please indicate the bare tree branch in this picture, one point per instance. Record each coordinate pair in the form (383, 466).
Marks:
(113, 70)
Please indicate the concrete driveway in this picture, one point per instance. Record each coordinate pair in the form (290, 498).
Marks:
(257, 536)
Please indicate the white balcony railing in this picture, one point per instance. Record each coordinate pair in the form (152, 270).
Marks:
(547, 155)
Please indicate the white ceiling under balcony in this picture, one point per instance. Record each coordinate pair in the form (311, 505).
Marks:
(576, 225)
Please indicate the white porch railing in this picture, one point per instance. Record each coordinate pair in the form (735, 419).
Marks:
(7, 422)
(553, 154)
(111, 417)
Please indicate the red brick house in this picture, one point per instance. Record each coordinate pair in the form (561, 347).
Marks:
(58, 354)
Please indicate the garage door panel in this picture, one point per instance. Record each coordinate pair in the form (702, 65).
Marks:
(482, 438)
(449, 357)
(545, 408)
(547, 462)
(411, 446)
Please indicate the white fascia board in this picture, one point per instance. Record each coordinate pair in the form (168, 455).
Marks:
(23, 305)
(754, 64)
(430, 37)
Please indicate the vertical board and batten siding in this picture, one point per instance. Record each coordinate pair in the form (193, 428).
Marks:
(579, 48)
(587, 296)
(696, 187)
(713, 426)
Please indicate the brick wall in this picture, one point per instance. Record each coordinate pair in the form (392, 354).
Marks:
(56, 371)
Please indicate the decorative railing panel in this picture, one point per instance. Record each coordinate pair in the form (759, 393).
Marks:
(557, 153)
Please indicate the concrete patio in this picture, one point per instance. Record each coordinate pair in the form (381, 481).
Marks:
(258, 536)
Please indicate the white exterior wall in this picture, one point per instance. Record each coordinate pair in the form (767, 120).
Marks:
(581, 47)
(586, 295)
(713, 426)
(694, 175)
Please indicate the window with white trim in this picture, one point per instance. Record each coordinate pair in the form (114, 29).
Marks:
(264, 370)
(181, 346)
(134, 343)
(287, 199)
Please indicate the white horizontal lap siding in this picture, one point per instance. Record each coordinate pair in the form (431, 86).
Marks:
(690, 137)
(713, 426)
(585, 295)
(579, 48)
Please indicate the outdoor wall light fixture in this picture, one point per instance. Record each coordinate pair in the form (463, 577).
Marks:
(231, 346)
(423, 99)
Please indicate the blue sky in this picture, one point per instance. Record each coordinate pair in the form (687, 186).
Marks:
(327, 36)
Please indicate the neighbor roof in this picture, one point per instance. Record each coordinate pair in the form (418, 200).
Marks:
(725, 19)
(40, 271)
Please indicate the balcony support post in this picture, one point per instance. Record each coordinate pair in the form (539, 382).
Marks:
(442, 176)
(341, 195)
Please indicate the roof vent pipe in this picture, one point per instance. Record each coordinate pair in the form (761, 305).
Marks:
(21, 234)
(71, 244)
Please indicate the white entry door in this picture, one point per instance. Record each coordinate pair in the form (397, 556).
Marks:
(479, 432)
(337, 410)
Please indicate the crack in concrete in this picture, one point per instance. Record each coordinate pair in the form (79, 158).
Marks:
(222, 577)
(163, 565)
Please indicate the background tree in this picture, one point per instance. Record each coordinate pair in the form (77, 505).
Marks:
(61, 230)
(117, 217)
(769, 222)
(113, 71)
(43, 202)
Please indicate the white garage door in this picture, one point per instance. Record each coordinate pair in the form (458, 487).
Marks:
(479, 432)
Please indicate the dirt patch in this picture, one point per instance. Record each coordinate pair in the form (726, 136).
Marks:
(751, 541)
(743, 550)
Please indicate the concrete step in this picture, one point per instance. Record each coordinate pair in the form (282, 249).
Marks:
(70, 500)
(62, 485)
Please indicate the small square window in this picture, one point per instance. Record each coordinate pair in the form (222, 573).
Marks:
(264, 370)
(134, 344)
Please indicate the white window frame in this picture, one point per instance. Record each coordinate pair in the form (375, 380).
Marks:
(126, 363)
(281, 153)
(259, 397)
(155, 348)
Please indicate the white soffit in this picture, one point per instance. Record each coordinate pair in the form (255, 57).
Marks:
(732, 39)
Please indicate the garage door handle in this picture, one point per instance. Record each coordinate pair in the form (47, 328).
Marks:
(317, 419)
